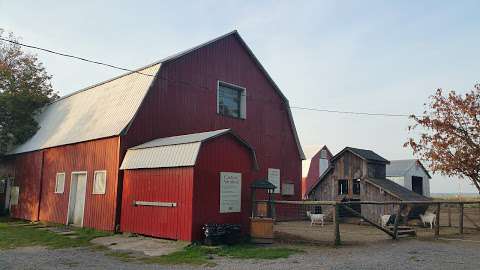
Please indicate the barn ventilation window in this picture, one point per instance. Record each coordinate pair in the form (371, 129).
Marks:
(342, 187)
(356, 186)
(99, 182)
(60, 183)
(231, 100)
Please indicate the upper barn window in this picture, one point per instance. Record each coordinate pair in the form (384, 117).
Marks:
(231, 100)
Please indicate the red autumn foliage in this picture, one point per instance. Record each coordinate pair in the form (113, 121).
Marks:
(449, 134)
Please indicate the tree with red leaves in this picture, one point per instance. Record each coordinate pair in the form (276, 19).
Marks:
(450, 134)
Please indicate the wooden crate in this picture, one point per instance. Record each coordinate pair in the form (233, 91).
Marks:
(261, 230)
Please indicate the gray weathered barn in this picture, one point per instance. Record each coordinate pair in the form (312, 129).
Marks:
(360, 175)
(411, 174)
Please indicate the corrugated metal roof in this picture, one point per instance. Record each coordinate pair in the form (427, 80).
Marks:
(166, 156)
(176, 151)
(401, 192)
(401, 167)
(100, 111)
(189, 138)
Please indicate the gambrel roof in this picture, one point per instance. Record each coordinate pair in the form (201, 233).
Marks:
(107, 109)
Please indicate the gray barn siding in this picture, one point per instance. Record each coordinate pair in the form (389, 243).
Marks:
(370, 192)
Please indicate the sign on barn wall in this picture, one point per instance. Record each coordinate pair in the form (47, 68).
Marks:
(230, 192)
(274, 178)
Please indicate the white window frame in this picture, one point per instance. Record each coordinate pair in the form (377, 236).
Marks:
(94, 181)
(56, 191)
(243, 99)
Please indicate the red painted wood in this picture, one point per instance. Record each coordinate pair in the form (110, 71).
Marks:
(88, 156)
(158, 185)
(224, 154)
(27, 177)
(183, 101)
(313, 171)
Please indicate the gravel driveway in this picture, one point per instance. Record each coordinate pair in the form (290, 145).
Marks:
(405, 254)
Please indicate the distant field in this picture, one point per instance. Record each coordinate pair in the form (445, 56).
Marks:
(454, 196)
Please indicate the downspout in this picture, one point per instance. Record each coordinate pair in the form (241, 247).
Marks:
(41, 187)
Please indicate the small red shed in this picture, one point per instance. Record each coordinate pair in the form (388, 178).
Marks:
(172, 186)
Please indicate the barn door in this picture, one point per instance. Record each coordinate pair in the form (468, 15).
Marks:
(76, 207)
(417, 185)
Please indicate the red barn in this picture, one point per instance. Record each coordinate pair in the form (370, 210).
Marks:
(69, 171)
(316, 163)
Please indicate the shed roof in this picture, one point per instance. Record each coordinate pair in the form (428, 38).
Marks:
(401, 167)
(397, 190)
(106, 109)
(368, 155)
(177, 151)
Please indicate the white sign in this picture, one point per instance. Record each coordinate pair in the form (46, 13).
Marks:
(15, 193)
(230, 192)
(274, 178)
(288, 189)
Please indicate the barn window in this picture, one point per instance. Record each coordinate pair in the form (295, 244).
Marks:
(99, 182)
(342, 187)
(60, 182)
(231, 100)
(356, 186)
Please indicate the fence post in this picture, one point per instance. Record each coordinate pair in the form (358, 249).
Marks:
(437, 224)
(449, 208)
(460, 225)
(336, 221)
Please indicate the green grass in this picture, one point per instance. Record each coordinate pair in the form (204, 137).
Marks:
(202, 255)
(13, 235)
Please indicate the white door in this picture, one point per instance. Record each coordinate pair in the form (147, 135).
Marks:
(77, 198)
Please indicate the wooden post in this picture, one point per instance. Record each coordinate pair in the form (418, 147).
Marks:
(336, 221)
(397, 220)
(437, 224)
(460, 225)
(449, 208)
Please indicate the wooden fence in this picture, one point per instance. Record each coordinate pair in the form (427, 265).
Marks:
(453, 211)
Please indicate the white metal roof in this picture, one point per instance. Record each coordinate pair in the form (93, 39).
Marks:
(177, 151)
(100, 111)
(189, 138)
(178, 155)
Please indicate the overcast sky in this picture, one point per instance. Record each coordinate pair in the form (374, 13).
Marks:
(372, 56)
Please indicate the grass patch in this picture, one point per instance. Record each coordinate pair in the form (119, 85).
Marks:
(13, 235)
(202, 255)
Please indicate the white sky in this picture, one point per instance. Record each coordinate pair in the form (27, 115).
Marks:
(373, 56)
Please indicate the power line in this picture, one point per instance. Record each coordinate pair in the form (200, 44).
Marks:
(73, 56)
(351, 112)
(151, 75)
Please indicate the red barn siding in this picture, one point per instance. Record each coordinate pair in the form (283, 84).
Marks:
(183, 101)
(28, 169)
(158, 185)
(87, 156)
(313, 171)
(224, 154)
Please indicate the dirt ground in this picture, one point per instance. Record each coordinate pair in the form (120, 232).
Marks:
(352, 234)
(406, 254)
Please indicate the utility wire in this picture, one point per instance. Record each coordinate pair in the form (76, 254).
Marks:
(151, 75)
